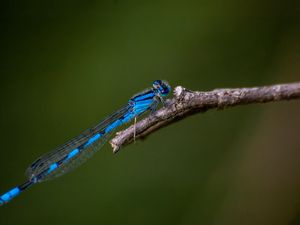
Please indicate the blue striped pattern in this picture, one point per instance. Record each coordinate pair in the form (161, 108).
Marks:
(77, 150)
(92, 140)
(72, 153)
(9, 195)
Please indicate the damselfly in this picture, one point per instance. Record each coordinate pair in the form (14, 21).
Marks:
(73, 153)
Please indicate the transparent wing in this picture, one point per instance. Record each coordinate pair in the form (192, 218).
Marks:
(39, 169)
(76, 161)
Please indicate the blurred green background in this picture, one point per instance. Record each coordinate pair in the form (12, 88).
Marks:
(65, 65)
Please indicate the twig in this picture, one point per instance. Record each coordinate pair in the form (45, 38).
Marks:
(186, 103)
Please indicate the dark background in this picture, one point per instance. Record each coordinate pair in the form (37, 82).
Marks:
(65, 65)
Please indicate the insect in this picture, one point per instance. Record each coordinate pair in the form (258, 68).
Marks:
(76, 151)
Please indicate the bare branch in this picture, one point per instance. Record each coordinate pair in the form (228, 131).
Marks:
(186, 103)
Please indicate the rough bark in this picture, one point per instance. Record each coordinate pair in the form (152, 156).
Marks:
(186, 102)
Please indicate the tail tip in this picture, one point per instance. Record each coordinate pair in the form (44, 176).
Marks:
(9, 195)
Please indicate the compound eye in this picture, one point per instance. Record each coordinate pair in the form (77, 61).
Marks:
(162, 87)
(166, 90)
(156, 83)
